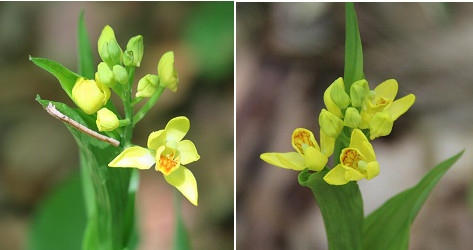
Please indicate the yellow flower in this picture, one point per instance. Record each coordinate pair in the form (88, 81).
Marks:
(167, 73)
(90, 95)
(309, 154)
(330, 124)
(358, 161)
(108, 48)
(168, 152)
(147, 85)
(382, 100)
(107, 120)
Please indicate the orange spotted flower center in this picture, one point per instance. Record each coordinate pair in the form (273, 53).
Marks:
(167, 164)
(382, 101)
(302, 137)
(350, 157)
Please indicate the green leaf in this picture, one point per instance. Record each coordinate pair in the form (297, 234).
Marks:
(341, 207)
(181, 237)
(353, 50)
(59, 221)
(86, 59)
(388, 227)
(66, 78)
(110, 216)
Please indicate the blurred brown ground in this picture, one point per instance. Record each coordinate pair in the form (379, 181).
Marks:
(37, 151)
(287, 55)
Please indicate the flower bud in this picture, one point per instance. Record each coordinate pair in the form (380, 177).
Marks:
(128, 58)
(135, 45)
(166, 71)
(352, 118)
(338, 94)
(108, 47)
(147, 85)
(107, 120)
(357, 92)
(90, 95)
(120, 74)
(330, 124)
(105, 75)
(380, 124)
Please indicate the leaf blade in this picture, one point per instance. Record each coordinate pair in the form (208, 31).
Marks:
(388, 227)
(86, 59)
(66, 77)
(341, 207)
(353, 48)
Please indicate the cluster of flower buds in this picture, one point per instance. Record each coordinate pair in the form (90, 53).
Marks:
(362, 114)
(91, 95)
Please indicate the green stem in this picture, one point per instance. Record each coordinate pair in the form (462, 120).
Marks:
(136, 100)
(128, 131)
(148, 105)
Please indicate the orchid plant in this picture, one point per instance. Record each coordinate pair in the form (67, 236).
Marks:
(354, 115)
(109, 161)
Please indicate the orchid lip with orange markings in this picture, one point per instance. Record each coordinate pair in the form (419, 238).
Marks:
(168, 160)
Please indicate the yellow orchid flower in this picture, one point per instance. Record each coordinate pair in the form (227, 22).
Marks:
(168, 152)
(309, 154)
(90, 95)
(382, 100)
(358, 161)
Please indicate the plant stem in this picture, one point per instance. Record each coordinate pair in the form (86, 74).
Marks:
(148, 105)
(128, 131)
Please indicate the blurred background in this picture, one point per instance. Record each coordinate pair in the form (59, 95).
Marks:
(289, 53)
(39, 158)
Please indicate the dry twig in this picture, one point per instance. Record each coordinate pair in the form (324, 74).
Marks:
(51, 109)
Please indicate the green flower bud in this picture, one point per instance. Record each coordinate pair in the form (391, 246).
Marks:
(105, 75)
(108, 47)
(358, 90)
(380, 124)
(147, 85)
(128, 58)
(330, 124)
(90, 95)
(135, 45)
(166, 71)
(120, 74)
(107, 120)
(352, 118)
(338, 94)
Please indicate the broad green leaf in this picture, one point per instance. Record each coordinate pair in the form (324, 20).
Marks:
(181, 237)
(66, 78)
(388, 227)
(59, 221)
(341, 207)
(86, 59)
(111, 211)
(353, 49)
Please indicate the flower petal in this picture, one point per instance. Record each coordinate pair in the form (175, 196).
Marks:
(372, 170)
(387, 89)
(291, 160)
(336, 176)
(187, 151)
(157, 139)
(302, 136)
(314, 159)
(177, 128)
(353, 174)
(400, 106)
(331, 106)
(327, 144)
(134, 157)
(183, 179)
